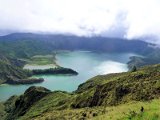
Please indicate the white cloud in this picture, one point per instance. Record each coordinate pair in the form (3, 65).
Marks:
(124, 18)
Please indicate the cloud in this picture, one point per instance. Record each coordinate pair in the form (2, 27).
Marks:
(117, 18)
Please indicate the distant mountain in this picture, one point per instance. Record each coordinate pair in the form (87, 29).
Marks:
(27, 44)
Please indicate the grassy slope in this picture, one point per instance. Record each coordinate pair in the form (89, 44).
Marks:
(114, 89)
(132, 111)
(108, 96)
(2, 111)
(43, 60)
(121, 112)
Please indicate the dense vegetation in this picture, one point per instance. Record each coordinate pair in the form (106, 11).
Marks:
(59, 70)
(25, 81)
(112, 96)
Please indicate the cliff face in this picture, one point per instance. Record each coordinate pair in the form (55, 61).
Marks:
(103, 91)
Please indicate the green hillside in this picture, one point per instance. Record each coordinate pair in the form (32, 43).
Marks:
(118, 96)
(26, 45)
(10, 69)
(149, 59)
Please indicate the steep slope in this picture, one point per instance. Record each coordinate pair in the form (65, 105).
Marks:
(10, 69)
(11, 72)
(114, 89)
(97, 98)
(24, 102)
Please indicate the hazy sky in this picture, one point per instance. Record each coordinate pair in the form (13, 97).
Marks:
(119, 18)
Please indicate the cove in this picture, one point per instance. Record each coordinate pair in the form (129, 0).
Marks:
(87, 64)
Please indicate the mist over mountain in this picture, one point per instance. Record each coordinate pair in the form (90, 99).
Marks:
(28, 44)
(132, 19)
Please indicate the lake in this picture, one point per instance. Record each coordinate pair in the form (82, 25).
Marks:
(87, 64)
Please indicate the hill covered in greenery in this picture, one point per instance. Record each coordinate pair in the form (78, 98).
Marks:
(23, 45)
(149, 59)
(123, 96)
(12, 72)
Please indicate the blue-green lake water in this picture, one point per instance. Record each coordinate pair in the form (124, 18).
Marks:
(87, 64)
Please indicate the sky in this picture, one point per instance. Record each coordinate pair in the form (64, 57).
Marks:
(129, 19)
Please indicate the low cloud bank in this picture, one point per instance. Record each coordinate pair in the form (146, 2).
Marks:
(114, 18)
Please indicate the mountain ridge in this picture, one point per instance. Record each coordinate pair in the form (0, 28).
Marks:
(49, 43)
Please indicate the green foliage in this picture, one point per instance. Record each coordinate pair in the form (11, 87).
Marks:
(59, 70)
